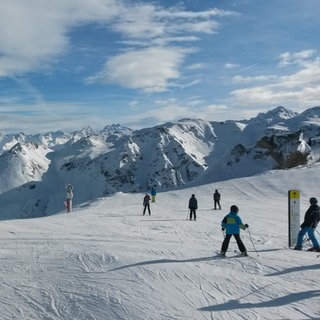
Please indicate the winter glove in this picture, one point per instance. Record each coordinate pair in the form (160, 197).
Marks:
(246, 226)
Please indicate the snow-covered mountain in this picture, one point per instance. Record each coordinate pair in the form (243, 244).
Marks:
(21, 163)
(190, 152)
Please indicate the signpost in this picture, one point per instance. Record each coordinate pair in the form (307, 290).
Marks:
(294, 216)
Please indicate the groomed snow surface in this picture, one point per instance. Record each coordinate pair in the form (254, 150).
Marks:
(107, 261)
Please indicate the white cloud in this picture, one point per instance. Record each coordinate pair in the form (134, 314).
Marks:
(196, 66)
(231, 66)
(178, 13)
(208, 26)
(150, 21)
(139, 22)
(301, 88)
(149, 69)
(241, 79)
(301, 57)
(308, 76)
(34, 32)
(216, 107)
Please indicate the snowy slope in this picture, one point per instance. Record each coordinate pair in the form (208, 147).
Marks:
(107, 261)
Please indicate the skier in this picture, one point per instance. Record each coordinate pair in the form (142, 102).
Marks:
(69, 197)
(216, 199)
(193, 206)
(153, 194)
(146, 204)
(309, 225)
(232, 224)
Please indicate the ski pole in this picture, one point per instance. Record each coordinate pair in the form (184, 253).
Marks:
(254, 247)
(306, 239)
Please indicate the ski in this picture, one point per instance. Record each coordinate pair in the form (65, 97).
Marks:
(238, 255)
(219, 255)
(241, 254)
(304, 250)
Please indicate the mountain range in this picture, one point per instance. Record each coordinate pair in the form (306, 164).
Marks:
(34, 169)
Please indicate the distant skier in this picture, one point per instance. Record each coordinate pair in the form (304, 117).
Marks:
(309, 225)
(153, 194)
(146, 204)
(193, 206)
(232, 224)
(69, 196)
(216, 200)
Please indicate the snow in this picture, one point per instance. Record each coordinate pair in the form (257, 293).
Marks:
(107, 261)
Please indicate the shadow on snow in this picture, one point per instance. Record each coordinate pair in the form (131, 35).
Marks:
(276, 302)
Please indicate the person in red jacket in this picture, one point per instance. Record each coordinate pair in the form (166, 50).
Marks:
(69, 196)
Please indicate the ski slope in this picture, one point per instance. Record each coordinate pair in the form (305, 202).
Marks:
(107, 261)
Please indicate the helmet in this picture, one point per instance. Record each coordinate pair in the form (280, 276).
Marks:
(234, 208)
(313, 200)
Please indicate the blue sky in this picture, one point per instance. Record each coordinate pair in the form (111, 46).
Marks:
(67, 64)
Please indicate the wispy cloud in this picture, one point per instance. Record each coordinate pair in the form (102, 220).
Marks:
(242, 80)
(154, 67)
(231, 66)
(300, 58)
(196, 66)
(301, 88)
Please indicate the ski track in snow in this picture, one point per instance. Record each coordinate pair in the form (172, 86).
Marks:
(95, 265)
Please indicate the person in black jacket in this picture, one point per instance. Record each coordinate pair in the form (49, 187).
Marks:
(309, 225)
(193, 206)
(146, 204)
(216, 200)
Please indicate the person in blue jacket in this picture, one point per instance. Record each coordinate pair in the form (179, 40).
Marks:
(232, 224)
(153, 194)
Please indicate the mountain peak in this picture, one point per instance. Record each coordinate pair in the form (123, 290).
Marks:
(116, 129)
(276, 114)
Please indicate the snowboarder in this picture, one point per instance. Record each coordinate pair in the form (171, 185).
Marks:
(69, 197)
(193, 206)
(232, 224)
(153, 194)
(146, 204)
(309, 225)
(216, 200)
